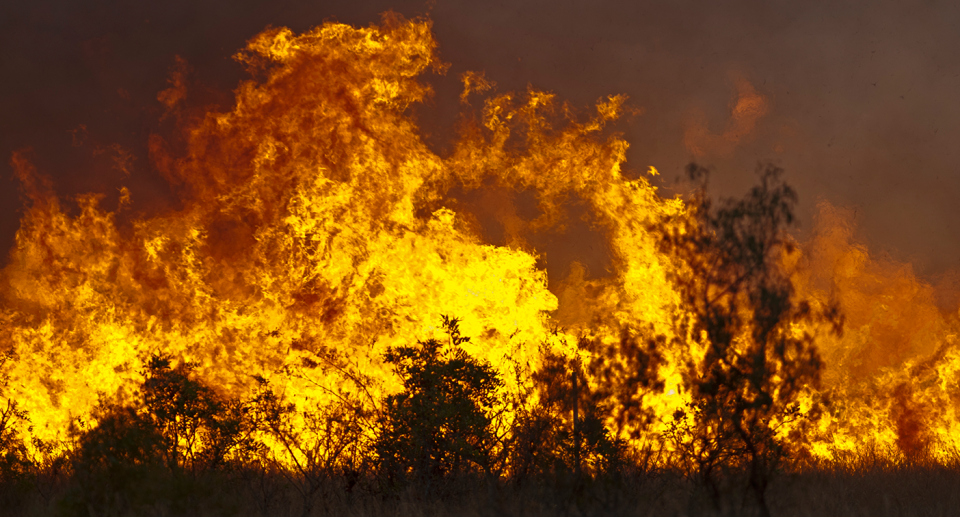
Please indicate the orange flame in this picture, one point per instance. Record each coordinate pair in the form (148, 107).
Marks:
(317, 229)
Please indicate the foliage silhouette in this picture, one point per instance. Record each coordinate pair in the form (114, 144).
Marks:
(117, 463)
(621, 374)
(440, 425)
(14, 462)
(326, 445)
(748, 368)
(565, 428)
(14, 456)
(159, 445)
(578, 438)
(199, 429)
(743, 316)
(16, 468)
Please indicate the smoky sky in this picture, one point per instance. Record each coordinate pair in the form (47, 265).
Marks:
(862, 97)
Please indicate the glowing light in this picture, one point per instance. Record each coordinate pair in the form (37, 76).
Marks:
(317, 229)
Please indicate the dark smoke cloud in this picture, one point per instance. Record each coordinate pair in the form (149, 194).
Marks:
(861, 96)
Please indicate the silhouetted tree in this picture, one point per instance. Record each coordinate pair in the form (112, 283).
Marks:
(624, 373)
(440, 424)
(756, 338)
(15, 464)
(118, 464)
(199, 428)
(138, 453)
(579, 439)
(323, 446)
(16, 469)
(565, 430)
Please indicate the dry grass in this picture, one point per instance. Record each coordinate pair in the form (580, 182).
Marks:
(851, 489)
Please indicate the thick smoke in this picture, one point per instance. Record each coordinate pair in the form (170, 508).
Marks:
(858, 96)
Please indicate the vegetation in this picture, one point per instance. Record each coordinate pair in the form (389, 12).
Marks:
(754, 366)
(452, 433)
(440, 425)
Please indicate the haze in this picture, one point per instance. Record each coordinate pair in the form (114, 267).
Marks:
(860, 97)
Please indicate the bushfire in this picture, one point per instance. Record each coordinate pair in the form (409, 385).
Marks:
(316, 232)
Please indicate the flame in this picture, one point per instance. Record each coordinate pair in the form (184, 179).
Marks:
(893, 373)
(316, 229)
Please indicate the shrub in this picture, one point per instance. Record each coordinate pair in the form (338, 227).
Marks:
(159, 446)
(329, 443)
(199, 429)
(440, 424)
(565, 431)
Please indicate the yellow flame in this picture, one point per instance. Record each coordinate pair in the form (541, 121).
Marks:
(317, 229)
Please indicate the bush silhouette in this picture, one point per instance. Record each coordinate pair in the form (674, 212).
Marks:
(622, 373)
(199, 429)
(331, 445)
(565, 431)
(440, 424)
(742, 311)
(118, 463)
(16, 468)
(156, 447)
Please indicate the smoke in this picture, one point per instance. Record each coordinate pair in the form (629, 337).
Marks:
(748, 107)
(322, 211)
(858, 98)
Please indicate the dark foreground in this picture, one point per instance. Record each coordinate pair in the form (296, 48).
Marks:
(868, 488)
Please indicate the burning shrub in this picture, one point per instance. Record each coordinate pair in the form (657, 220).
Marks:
(118, 463)
(328, 446)
(749, 364)
(621, 375)
(547, 441)
(198, 428)
(15, 465)
(139, 453)
(440, 424)
(585, 409)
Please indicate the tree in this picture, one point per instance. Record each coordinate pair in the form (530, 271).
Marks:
(150, 448)
(199, 428)
(625, 372)
(757, 339)
(561, 417)
(16, 469)
(440, 424)
(571, 416)
(15, 465)
(117, 463)
(175, 421)
(330, 442)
